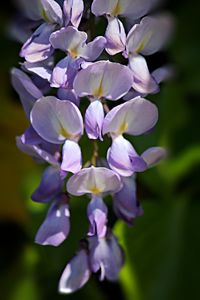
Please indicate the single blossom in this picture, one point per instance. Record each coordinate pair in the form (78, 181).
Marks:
(101, 254)
(95, 181)
(73, 41)
(134, 117)
(60, 122)
(37, 47)
(106, 256)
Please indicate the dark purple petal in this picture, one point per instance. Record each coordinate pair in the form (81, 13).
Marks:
(125, 203)
(26, 89)
(30, 137)
(64, 73)
(68, 94)
(50, 186)
(76, 273)
(55, 228)
(97, 215)
(41, 153)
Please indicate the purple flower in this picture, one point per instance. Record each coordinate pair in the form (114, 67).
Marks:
(37, 47)
(95, 182)
(73, 41)
(72, 64)
(106, 256)
(60, 122)
(102, 254)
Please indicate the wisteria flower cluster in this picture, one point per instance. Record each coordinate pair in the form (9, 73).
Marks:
(64, 66)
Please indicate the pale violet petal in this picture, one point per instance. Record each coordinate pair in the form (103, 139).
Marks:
(97, 80)
(134, 117)
(154, 155)
(71, 157)
(123, 159)
(143, 82)
(51, 12)
(150, 35)
(93, 181)
(38, 47)
(70, 40)
(94, 118)
(73, 11)
(97, 215)
(56, 120)
(115, 36)
(133, 8)
(26, 89)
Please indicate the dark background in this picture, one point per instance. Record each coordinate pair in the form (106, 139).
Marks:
(163, 248)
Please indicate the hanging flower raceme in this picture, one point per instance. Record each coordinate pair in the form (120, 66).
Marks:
(63, 57)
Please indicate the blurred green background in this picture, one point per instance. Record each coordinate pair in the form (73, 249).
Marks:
(163, 248)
